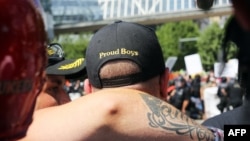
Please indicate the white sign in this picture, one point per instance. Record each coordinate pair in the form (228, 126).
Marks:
(170, 62)
(230, 69)
(193, 64)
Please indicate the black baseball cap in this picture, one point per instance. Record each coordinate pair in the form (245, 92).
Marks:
(58, 65)
(124, 40)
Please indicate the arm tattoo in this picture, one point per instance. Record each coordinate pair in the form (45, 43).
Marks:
(164, 116)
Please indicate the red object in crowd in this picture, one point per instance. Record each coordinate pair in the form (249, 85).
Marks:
(22, 62)
(170, 89)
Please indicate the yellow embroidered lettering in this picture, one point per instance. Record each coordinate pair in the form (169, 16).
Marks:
(101, 55)
(129, 52)
(123, 51)
(109, 53)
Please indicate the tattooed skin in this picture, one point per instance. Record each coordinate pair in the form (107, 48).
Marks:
(161, 115)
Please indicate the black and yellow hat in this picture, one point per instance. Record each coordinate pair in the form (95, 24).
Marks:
(58, 65)
(124, 40)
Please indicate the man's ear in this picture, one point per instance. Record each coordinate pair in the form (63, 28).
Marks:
(164, 83)
(87, 86)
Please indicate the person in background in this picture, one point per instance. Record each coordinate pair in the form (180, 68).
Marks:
(235, 94)
(238, 31)
(57, 71)
(180, 96)
(126, 80)
(196, 106)
(211, 100)
(22, 63)
(53, 92)
(223, 94)
(170, 89)
(76, 90)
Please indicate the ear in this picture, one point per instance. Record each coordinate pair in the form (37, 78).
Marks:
(87, 86)
(164, 83)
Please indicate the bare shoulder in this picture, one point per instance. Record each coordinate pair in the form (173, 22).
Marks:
(157, 117)
(115, 114)
(152, 116)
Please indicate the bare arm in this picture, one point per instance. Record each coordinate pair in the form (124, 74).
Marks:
(120, 114)
(184, 106)
(164, 116)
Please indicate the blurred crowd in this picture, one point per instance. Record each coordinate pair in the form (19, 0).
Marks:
(203, 95)
(74, 88)
(200, 96)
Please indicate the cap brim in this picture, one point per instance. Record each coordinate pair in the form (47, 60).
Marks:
(70, 68)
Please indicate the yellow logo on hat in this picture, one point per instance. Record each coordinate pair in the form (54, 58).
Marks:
(50, 51)
(74, 64)
(122, 51)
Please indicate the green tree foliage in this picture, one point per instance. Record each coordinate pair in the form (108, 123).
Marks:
(74, 45)
(209, 44)
(169, 35)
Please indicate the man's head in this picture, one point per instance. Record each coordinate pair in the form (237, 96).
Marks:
(59, 65)
(22, 63)
(57, 71)
(136, 45)
(53, 92)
